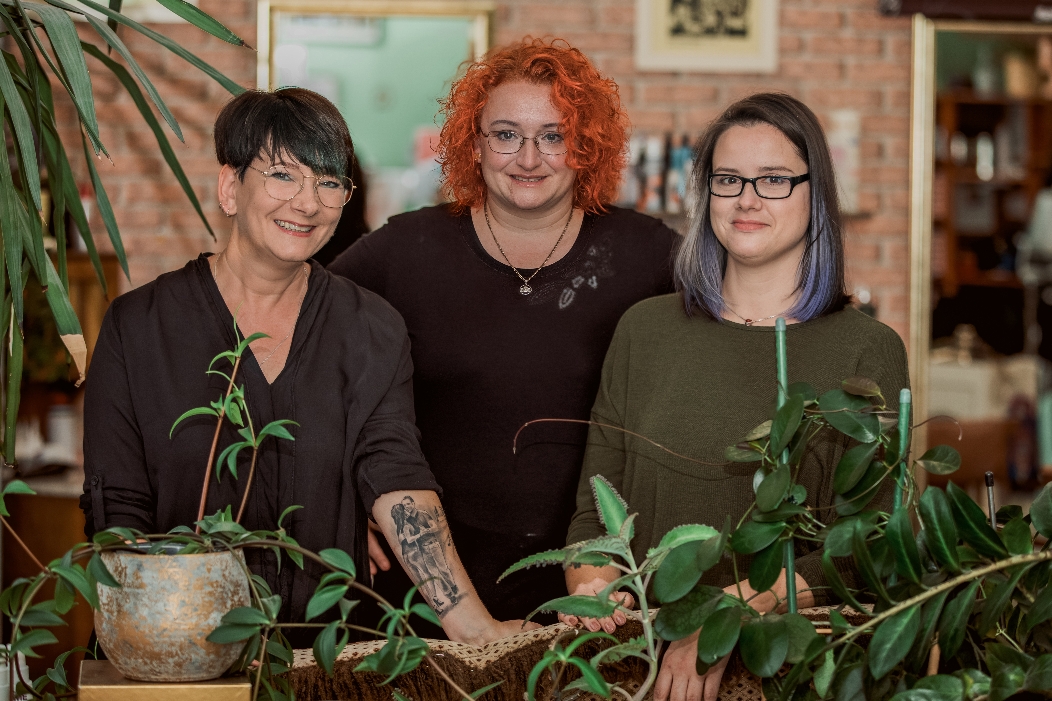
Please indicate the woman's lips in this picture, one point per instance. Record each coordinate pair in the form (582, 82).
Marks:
(528, 179)
(748, 225)
(294, 229)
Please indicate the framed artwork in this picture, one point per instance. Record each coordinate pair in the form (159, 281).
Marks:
(710, 36)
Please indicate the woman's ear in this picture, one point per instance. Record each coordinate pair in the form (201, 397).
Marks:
(227, 189)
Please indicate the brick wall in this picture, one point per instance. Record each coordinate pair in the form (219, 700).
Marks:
(834, 54)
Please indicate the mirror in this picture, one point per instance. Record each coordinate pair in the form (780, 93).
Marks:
(980, 161)
(385, 65)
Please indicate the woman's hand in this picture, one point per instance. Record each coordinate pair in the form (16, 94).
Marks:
(679, 680)
(608, 624)
(377, 557)
(487, 632)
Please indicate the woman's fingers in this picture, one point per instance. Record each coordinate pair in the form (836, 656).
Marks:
(377, 557)
(663, 685)
(713, 678)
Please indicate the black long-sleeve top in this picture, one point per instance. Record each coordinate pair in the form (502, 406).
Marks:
(347, 382)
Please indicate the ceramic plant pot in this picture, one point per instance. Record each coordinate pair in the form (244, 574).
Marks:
(153, 628)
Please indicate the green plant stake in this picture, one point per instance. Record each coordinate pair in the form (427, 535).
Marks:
(905, 406)
(783, 392)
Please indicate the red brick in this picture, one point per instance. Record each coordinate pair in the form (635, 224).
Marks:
(869, 149)
(811, 19)
(552, 16)
(873, 20)
(623, 16)
(816, 70)
(857, 252)
(790, 44)
(821, 96)
(683, 94)
(874, 71)
(589, 42)
(886, 124)
(827, 45)
(698, 119)
(652, 120)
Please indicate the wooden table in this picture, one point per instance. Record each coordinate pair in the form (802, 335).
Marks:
(100, 681)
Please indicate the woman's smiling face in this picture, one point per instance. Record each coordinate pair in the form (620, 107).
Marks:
(289, 230)
(527, 180)
(757, 231)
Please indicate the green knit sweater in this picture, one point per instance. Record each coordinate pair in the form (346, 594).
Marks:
(696, 386)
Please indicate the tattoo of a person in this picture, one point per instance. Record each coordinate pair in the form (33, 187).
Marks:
(424, 537)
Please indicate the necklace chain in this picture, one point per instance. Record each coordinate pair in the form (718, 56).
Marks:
(525, 289)
(306, 274)
(752, 322)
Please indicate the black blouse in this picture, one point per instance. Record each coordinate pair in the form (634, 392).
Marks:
(347, 382)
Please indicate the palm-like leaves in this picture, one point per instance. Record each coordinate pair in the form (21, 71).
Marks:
(50, 51)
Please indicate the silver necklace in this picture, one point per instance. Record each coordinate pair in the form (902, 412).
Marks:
(525, 289)
(306, 274)
(752, 322)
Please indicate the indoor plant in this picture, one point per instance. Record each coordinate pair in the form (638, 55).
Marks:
(33, 148)
(981, 594)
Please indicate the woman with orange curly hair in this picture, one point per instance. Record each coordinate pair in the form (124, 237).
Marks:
(511, 293)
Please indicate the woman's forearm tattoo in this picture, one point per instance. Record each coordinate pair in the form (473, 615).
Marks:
(425, 539)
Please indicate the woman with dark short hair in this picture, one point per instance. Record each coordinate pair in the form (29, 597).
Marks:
(511, 293)
(335, 359)
(695, 371)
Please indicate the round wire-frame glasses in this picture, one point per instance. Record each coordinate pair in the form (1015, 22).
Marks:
(333, 191)
(506, 142)
(769, 187)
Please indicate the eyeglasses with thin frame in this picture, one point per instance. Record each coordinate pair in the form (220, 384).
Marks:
(769, 187)
(507, 142)
(282, 183)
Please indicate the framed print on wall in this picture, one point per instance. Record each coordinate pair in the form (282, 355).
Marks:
(711, 36)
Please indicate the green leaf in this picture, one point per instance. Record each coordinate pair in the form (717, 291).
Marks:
(1039, 676)
(323, 600)
(334, 557)
(277, 429)
(1041, 511)
(786, 421)
(688, 533)
(288, 510)
(592, 676)
(548, 557)
(1041, 610)
(198, 411)
(97, 568)
(801, 635)
(679, 619)
(17, 487)
(66, 43)
(325, 646)
(424, 611)
(858, 497)
(719, 634)
(773, 489)
(203, 21)
(1007, 681)
(612, 508)
(37, 617)
(940, 460)
(736, 453)
(246, 616)
(29, 639)
(758, 433)
(23, 132)
(997, 600)
(954, 619)
(804, 390)
(899, 533)
(824, 675)
(678, 572)
(836, 583)
(586, 606)
(752, 537)
(712, 550)
(860, 549)
(75, 576)
(843, 412)
(766, 566)
(972, 524)
(892, 641)
(838, 536)
(930, 612)
(230, 633)
(861, 386)
(1016, 536)
(853, 466)
(940, 533)
(764, 645)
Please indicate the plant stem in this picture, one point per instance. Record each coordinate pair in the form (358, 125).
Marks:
(212, 452)
(248, 485)
(945, 586)
(21, 542)
(262, 661)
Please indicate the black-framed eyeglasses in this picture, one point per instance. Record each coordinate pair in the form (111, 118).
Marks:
(281, 183)
(507, 142)
(769, 187)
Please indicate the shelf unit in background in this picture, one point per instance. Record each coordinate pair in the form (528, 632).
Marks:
(969, 113)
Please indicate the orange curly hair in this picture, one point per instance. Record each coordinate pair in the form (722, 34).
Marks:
(594, 124)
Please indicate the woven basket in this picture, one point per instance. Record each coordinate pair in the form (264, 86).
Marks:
(508, 660)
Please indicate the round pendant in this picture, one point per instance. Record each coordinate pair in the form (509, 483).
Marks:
(525, 289)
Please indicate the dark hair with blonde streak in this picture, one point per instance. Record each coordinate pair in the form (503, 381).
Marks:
(594, 124)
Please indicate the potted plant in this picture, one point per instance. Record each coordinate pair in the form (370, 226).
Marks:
(958, 610)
